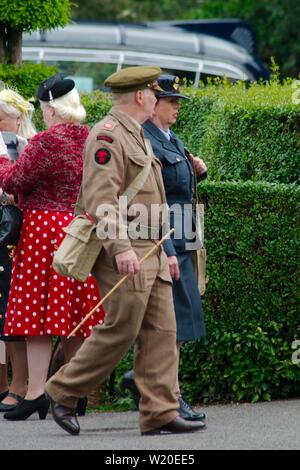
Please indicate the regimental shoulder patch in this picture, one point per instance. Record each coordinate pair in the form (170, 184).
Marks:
(102, 156)
(106, 138)
(109, 125)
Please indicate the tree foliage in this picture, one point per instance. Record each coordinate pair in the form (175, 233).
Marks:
(276, 23)
(132, 10)
(17, 16)
(31, 15)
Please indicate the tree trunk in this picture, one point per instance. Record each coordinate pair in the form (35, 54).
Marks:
(2, 44)
(14, 46)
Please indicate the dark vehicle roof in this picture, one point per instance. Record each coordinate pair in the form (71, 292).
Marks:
(151, 42)
(234, 30)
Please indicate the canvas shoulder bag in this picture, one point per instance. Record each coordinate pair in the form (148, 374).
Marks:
(81, 247)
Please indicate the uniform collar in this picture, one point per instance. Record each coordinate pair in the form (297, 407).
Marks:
(131, 124)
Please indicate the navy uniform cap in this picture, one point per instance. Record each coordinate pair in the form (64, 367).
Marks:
(170, 85)
(55, 87)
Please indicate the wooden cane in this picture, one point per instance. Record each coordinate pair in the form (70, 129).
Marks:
(119, 283)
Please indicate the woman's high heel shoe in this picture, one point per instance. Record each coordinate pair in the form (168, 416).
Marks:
(81, 406)
(3, 395)
(28, 407)
(128, 384)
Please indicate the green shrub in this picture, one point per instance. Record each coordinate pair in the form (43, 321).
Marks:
(244, 132)
(97, 105)
(252, 301)
(25, 79)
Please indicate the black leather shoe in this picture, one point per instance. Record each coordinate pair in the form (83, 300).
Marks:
(5, 408)
(186, 411)
(128, 383)
(27, 407)
(65, 417)
(81, 406)
(177, 426)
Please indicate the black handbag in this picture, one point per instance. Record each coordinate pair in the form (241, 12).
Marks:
(11, 219)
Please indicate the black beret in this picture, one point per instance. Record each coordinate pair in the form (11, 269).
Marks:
(54, 87)
(170, 85)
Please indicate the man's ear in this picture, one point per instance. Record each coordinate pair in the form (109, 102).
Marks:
(139, 96)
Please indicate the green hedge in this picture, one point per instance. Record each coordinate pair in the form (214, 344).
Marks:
(244, 132)
(252, 231)
(254, 134)
(253, 297)
(252, 301)
(25, 79)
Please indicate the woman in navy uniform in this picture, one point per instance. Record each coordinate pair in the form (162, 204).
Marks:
(180, 170)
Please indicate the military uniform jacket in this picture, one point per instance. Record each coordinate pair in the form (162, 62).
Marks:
(179, 182)
(114, 154)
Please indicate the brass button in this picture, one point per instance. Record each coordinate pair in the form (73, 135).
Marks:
(1, 268)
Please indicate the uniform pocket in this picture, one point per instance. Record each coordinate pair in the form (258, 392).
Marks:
(139, 161)
(139, 281)
(175, 173)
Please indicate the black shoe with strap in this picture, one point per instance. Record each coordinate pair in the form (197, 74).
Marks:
(3, 395)
(186, 411)
(4, 407)
(27, 408)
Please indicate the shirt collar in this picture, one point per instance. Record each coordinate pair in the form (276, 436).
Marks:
(167, 133)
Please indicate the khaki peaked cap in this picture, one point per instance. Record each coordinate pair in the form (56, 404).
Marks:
(134, 78)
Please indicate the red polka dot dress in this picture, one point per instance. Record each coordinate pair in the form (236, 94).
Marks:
(46, 178)
(41, 302)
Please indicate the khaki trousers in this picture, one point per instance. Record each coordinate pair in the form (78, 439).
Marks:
(140, 312)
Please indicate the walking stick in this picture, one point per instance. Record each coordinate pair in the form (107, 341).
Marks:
(119, 283)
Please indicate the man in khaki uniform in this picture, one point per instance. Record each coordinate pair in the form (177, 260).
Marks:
(141, 311)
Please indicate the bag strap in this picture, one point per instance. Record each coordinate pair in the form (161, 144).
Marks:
(4, 199)
(131, 191)
(199, 208)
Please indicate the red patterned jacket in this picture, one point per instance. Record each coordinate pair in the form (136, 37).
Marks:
(48, 173)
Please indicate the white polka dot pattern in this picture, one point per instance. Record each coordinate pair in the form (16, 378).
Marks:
(41, 302)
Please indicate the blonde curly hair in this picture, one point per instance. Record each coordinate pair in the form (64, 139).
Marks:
(15, 106)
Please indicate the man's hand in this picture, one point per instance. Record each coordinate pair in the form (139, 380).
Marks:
(128, 263)
(200, 166)
(173, 267)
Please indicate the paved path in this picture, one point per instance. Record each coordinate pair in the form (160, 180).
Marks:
(274, 425)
